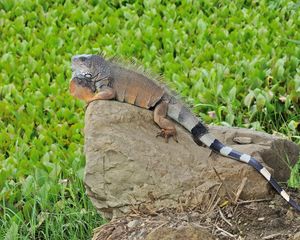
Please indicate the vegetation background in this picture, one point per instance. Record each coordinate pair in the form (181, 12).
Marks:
(236, 62)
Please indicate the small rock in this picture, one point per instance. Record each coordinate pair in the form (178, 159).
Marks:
(194, 216)
(272, 206)
(296, 236)
(133, 223)
(290, 215)
(261, 219)
(117, 233)
(208, 220)
(275, 223)
(185, 218)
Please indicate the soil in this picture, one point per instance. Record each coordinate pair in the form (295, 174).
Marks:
(246, 220)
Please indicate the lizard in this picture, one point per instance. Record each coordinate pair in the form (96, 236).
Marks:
(95, 78)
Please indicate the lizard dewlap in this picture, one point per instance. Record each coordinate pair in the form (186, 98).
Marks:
(95, 78)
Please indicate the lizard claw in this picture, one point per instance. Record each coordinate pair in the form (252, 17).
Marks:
(167, 133)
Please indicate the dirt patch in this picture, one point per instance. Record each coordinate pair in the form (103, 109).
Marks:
(245, 220)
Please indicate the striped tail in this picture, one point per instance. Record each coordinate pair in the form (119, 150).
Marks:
(184, 117)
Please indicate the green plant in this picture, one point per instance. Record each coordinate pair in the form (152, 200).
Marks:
(237, 62)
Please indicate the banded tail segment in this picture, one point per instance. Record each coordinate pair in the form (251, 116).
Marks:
(226, 151)
(217, 146)
(183, 116)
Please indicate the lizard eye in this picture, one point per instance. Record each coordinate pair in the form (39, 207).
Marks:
(82, 59)
(88, 75)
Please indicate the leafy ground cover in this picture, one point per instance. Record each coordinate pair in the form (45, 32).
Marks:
(236, 62)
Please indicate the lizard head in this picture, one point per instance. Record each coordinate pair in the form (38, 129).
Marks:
(90, 67)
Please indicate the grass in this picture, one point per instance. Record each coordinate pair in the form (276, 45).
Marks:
(236, 62)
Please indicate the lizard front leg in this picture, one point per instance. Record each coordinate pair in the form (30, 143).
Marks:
(167, 127)
(106, 93)
(86, 94)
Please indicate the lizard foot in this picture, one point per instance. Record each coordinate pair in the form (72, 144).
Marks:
(167, 133)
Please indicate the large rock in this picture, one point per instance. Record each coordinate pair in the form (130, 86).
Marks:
(126, 165)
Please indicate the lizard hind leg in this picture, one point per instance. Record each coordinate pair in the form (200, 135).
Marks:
(167, 127)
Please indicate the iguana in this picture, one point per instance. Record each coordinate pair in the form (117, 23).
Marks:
(94, 78)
